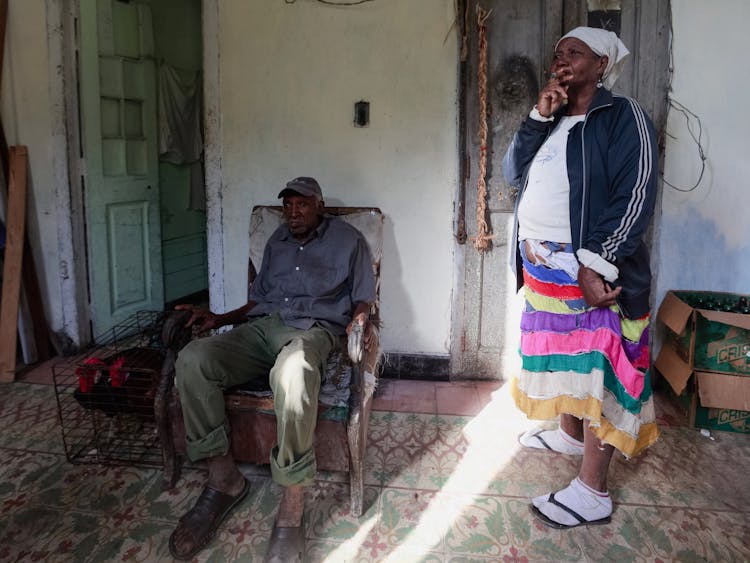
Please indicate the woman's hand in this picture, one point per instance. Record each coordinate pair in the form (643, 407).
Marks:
(596, 292)
(202, 319)
(555, 92)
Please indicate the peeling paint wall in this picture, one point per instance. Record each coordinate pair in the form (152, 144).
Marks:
(287, 78)
(29, 118)
(703, 239)
(290, 74)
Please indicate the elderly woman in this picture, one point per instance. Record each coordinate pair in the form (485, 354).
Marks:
(585, 162)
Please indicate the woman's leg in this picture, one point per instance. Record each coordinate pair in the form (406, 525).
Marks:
(596, 458)
(586, 499)
(566, 439)
(572, 426)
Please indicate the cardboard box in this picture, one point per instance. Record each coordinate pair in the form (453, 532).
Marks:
(714, 347)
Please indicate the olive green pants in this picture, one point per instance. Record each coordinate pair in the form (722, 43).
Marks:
(291, 358)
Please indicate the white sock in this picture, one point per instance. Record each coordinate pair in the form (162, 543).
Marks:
(579, 497)
(558, 440)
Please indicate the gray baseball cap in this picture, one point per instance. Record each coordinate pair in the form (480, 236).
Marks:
(304, 185)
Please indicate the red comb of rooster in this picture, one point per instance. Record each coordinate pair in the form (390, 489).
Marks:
(90, 365)
(116, 374)
(86, 373)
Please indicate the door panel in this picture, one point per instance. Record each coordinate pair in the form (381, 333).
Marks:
(130, 267)
(521, 35)
(118, 112)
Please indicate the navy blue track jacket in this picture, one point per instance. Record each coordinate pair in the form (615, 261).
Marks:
(612, 160)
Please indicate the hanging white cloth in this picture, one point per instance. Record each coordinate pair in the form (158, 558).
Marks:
(180, 138)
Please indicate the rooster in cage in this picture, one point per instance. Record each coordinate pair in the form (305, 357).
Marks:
(122, 383)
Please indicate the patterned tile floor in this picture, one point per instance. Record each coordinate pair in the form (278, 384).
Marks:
(445, 482)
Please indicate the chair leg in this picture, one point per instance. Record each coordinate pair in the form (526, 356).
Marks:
(356, 463)
(172, 471)
(172, 461)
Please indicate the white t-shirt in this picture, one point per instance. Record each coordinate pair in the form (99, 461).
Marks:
(543, 212)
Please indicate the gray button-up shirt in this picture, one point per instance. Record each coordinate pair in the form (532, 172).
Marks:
(318, 281)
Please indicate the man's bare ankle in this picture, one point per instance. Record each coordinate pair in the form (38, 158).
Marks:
(224, 475)
(291, 507)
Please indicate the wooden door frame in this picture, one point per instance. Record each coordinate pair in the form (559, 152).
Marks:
(212, 153)
(68, 170)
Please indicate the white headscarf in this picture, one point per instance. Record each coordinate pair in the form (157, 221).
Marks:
(602, 42)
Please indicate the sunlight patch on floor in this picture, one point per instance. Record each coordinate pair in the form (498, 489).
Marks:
(492, 444)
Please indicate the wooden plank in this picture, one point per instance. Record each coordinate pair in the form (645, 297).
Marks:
(12, 267)
(35, 306)
(177, 264)
(179, 287)
(25, 318)
(32, 327)
(3, 143)
(29, 350)
(3, 22)
(32, 323)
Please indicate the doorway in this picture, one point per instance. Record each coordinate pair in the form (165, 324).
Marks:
(143, 195)
(179, 48)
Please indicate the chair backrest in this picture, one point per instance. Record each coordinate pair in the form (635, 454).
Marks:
(265, 219)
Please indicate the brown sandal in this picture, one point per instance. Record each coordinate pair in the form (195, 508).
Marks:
(202, 520)
(286, 545)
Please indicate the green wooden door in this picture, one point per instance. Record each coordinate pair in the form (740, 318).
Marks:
(121, 192)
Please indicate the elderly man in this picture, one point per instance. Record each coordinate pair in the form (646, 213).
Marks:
(315, 282)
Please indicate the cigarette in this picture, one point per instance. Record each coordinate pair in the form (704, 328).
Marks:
(553, 75)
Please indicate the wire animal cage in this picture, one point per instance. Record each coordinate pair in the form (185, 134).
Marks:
(105, 395)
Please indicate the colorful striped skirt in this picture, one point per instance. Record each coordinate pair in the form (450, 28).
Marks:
(589, 362)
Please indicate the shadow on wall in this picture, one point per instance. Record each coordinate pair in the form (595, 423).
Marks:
(392, 292)
(695, 255)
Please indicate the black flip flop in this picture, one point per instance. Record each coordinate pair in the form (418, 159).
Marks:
(557, 525)
(211, 508)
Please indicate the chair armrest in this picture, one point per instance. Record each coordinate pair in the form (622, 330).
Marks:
(356, 348)
(364, 361)
(356, 343)
(174, 334)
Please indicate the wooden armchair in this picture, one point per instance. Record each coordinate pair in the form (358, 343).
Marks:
(346, 387)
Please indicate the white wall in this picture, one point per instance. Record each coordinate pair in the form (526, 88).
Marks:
(290, 74)
(27, 115)
(704, 237)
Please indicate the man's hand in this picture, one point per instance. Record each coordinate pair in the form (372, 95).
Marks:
(202, 319)
(361, 314)
(596, 292)
(360, 319)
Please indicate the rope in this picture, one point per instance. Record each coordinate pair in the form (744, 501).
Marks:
(483, 238)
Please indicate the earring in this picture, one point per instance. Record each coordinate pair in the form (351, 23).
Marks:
(599, 83)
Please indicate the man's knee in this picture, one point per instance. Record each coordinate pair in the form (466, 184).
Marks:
(297, 357)
(192, 362)
(295, 379)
